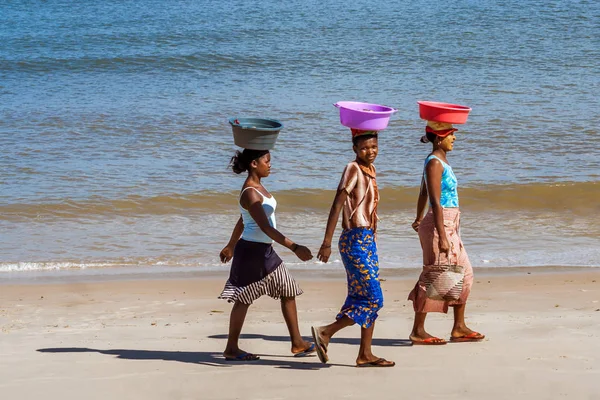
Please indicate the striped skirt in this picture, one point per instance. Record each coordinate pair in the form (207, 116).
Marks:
(257, 270)
(429, 243)
(277, 284)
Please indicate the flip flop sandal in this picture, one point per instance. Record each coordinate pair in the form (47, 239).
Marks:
(243, 357)
(432, 341)
(380, 362)
(307, 352)
(320, 347)
(471, 337)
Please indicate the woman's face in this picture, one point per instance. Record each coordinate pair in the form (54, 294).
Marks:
(366, 150)
(262, 165)
(447, 143)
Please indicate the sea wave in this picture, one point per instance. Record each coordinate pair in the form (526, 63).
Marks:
(141, 265)
(48, 266)
(116, 265)
(577, 197)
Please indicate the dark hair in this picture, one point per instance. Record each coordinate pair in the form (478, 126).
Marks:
(359, 138)
(240, 162)
(428, 137)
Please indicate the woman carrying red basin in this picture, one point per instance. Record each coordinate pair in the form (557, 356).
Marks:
(439, 229)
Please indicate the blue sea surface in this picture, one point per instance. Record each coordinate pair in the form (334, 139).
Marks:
(104, 100)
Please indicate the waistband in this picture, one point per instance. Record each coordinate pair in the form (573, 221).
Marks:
(252, 243)
(451, 216)
(358, 229)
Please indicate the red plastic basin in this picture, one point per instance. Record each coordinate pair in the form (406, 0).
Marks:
(443, 112)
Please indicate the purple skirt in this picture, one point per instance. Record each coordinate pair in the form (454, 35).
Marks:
(252, 262)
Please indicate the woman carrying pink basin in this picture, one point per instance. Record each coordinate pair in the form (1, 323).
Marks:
(356, 199)
(439, 229)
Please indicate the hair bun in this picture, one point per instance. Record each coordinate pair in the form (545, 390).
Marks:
(240, 162)
(237, 163)
(424, 139)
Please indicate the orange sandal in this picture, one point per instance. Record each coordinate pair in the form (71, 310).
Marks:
(432, 341)
(471, 337)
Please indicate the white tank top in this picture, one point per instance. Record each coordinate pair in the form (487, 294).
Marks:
(252, 231)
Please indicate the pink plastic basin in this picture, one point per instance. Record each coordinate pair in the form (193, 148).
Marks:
(443, 112)
(364, 116)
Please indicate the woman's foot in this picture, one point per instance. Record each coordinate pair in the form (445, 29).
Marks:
(373, 361)
(464, 334)
(305, 349)
(425, 338)
(321, 342)
(239, 355)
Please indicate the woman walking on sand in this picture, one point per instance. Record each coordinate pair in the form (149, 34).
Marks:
(358, 196)
(440, 239)
(256, 269)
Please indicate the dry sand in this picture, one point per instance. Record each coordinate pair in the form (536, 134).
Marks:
(162, 339)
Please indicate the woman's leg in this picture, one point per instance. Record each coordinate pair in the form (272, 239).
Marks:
(290, 314)
(236, 322)
(418, 330)
(419, 334)
(365, 353)
(326, 332)
(460, 329)
(323, 334)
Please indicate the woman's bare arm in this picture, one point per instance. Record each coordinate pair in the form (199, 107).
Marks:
(334, 214)
(254, 202)
(227, 252)
(421, 204)
(435, 169)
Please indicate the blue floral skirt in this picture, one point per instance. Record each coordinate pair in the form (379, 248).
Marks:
(359, 254)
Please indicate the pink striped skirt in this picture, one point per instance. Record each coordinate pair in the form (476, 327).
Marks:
(458, 255)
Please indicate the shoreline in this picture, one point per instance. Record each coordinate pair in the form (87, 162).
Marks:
(94, 275)
(90, 276)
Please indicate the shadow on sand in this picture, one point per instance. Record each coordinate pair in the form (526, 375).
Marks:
(353, 341)
(193, 357)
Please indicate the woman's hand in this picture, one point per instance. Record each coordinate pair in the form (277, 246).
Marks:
(415, 225)
(324, 253)
(444, 245)
(303, 253)
(226, 254)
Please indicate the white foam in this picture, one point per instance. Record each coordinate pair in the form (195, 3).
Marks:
(48, 266)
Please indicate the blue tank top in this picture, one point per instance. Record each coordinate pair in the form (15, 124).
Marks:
(449, 192)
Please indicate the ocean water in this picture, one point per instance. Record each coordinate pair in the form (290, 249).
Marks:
(115, 142)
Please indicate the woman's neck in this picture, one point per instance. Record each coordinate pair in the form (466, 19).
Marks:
(253, 179)
(363, 163)
(439, 152)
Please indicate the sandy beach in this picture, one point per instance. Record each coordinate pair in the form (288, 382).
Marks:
(159, 339)
(116, 196)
